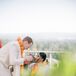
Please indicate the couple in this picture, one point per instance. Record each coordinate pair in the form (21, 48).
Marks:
(11, 55)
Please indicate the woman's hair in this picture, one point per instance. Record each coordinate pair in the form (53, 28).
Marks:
(29, 39)
(42, 55)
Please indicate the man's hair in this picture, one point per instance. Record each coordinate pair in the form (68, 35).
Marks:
(42, 55)
(29, 39)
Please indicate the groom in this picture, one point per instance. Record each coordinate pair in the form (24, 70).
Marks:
(10, 54)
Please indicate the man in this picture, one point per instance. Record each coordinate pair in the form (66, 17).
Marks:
(40, 68)
(10, 54)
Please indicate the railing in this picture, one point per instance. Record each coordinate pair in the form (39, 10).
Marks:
(45, 51)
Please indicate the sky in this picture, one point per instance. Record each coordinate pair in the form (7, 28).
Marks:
(33, 16)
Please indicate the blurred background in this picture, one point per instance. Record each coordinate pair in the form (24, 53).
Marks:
(51, 23)
(46, 41)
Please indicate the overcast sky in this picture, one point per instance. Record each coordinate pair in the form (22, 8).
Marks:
(26, 16)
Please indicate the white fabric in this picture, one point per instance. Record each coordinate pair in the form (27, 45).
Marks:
(10, 55)
(4, 71)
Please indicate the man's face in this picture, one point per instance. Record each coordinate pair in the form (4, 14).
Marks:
(27, 45)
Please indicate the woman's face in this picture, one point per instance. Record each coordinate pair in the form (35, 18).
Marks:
(38, 58)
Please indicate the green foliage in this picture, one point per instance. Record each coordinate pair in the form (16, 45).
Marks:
(66, 67)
